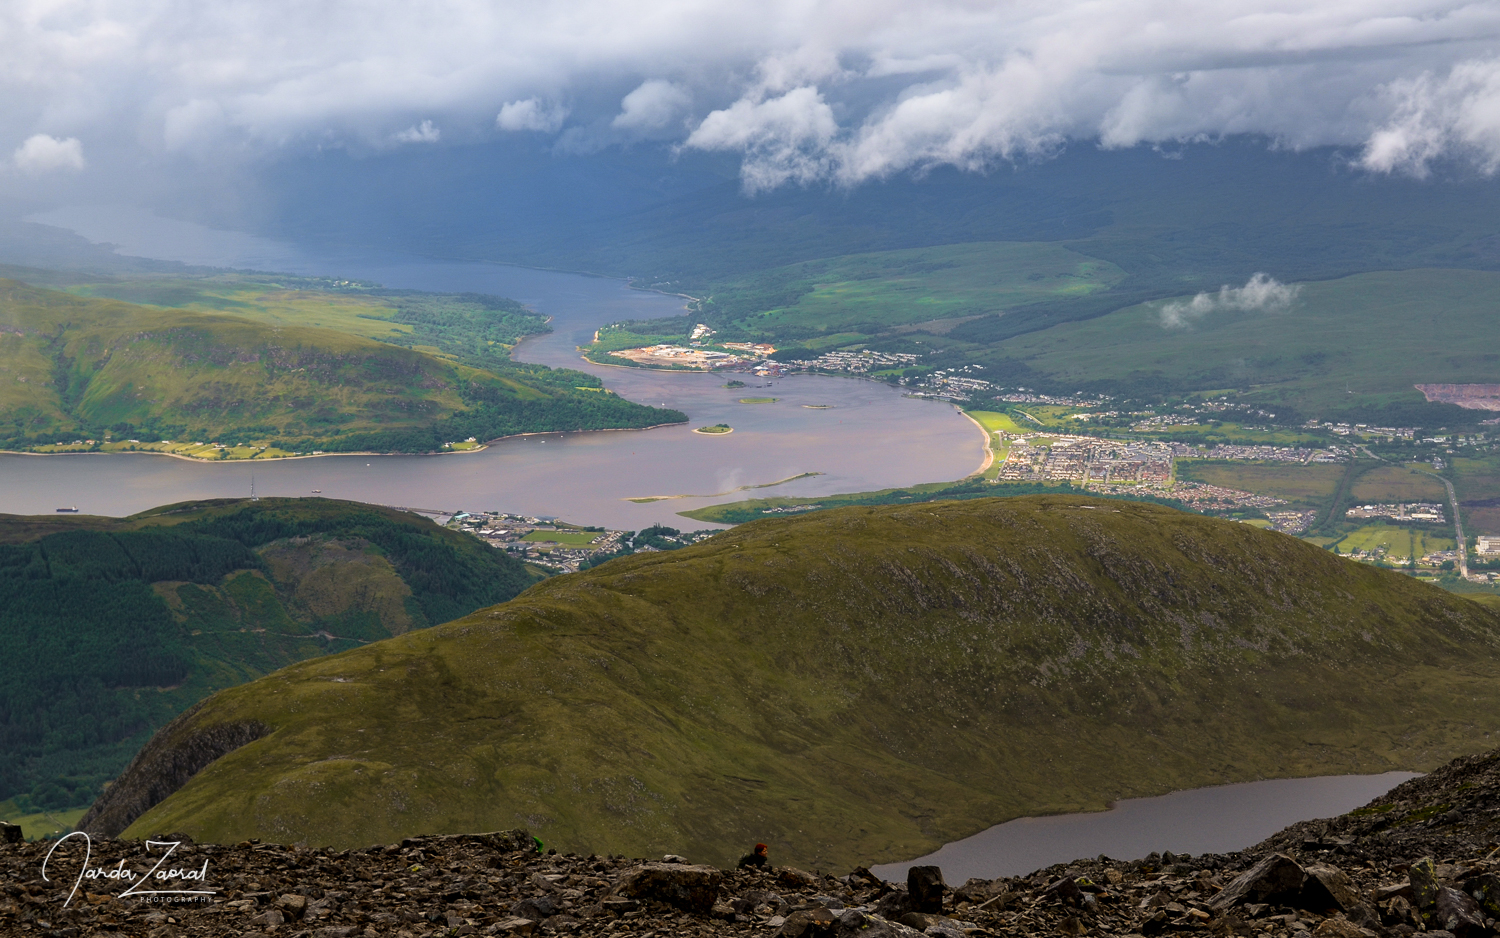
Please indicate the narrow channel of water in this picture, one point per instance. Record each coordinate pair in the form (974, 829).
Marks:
(1219, 819)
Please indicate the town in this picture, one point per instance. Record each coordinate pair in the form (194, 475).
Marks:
(559, 547)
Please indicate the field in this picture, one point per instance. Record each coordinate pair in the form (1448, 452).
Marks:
(1299, 484)
(39, 824)
(838, 301)
(1477, 479)
(1355, 342)
(996, 422)
(569, 538)
(1401, 544)
(1398, 484)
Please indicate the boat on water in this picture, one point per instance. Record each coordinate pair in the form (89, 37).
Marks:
(68, 511)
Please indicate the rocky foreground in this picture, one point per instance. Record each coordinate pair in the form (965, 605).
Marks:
(1423, 858)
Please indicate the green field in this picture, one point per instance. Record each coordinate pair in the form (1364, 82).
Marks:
(1401, 544)
(1398, 484)
(569, 538)
(1476, 478)
(1301, 484)
(838, 301)
(1355, 342)
(994, 422)
(39, 824)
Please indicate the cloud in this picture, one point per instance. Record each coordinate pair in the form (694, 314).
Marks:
(43, 154)
(531, 114)
(1457, 114)
(784, 139)
(1261, 293)
(652, 106)
(805, 90)
(422, 133)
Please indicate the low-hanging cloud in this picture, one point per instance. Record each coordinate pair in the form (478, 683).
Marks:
(1261, 293)
(1433, 116)
(805, 90)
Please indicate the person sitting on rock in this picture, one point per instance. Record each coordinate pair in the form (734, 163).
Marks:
(756, 860)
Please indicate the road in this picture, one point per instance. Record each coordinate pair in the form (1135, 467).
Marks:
(1458, 524)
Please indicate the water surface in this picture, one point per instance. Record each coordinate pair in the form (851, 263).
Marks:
(1219, 819)
(870, 437)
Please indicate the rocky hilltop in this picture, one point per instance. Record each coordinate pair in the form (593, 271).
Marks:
(859, 685)
(1419, 859)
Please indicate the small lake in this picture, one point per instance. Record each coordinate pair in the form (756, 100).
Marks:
(1219, 819)
(859, 435)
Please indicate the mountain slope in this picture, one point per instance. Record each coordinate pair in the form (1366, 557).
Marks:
(853, 685)
(72, 365)
(109, 627)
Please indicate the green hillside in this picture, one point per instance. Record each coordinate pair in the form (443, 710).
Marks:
(1360, 341)
(1354, 345)
(864, 295)
(109, 628)
(101, 369)
(852, 685)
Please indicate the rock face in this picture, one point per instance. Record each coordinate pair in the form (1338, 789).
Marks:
(175, 755)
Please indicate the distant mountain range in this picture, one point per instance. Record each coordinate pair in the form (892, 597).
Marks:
(851, 685)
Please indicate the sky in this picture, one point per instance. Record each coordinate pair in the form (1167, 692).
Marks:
(105, 93)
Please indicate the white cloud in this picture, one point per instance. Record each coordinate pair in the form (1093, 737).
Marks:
(43, 154)
(1457, 114)
(842, 90)
(422, 133)
(784, 139)
(652, 106)
(531, 114)
(1261, 293)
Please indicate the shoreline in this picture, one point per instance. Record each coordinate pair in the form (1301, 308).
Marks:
(989, 450)
(481, 447)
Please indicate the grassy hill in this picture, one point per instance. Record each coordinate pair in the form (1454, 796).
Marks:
(855, 684)
(109, 628)
(74, 367)
(864, 295)
(1360, 341)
